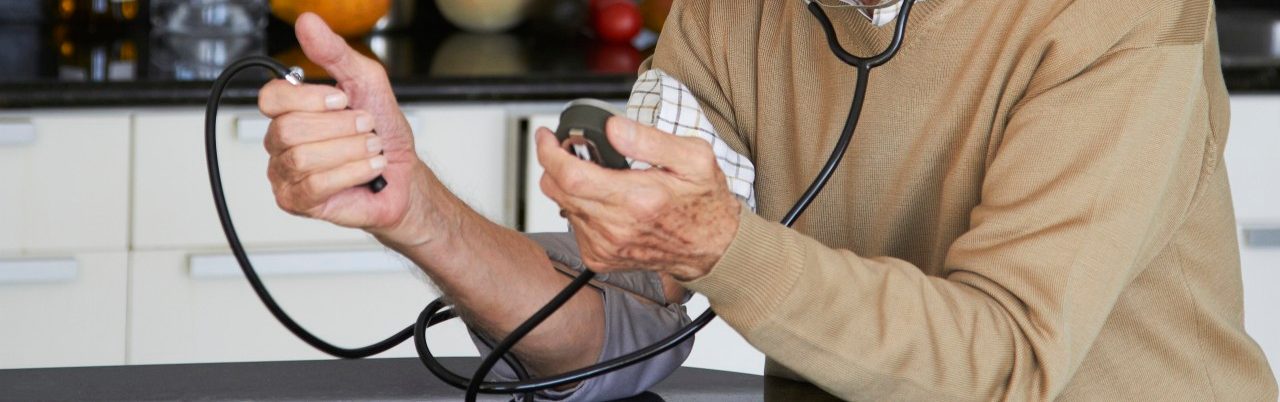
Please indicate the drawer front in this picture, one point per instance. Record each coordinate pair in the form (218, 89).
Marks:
(1253, 158)
(1260, 268)
(173, 208)
(541, 214)
(65, 181)
(63, 310)
(470, 149)
(172, 204)
(197, 308)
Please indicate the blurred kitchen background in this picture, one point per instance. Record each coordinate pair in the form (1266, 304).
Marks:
(110, 252)
(146, 43)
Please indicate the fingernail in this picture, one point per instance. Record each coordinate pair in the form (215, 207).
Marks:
(336, 101)
(375, 144)
(364, 123)
(378, 162)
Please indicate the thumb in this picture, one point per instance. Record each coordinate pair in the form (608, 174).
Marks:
(364, 80)
(331, 52)
(683, 155)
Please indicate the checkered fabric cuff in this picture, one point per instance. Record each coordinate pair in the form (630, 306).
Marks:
(659, 100)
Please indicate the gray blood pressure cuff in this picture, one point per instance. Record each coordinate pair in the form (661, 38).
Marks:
(636, 315)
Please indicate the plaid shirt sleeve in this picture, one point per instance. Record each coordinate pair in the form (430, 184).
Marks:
(661, 101)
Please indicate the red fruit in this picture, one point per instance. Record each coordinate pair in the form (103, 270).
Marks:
(614, 58)
(616, 21)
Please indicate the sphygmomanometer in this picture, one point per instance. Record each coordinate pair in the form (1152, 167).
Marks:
(581, 131)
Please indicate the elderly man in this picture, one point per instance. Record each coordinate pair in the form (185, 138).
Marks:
(1033, 208)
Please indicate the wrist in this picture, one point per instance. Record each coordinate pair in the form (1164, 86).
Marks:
(719, 236)
(427, 216)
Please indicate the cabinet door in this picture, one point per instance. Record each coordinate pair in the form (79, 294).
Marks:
(64, 182)
(1260, 268)
(63, 310)
(1253, 158)
(173, 207)
(470, 149)
(541, 214)
(192, 307)
(467, 147)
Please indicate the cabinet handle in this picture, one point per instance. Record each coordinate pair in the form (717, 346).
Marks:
(24, 270)
(17, 132)
(1262, 238)
(221, 266)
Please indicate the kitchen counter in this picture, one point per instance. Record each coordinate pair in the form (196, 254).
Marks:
(46, 66)
(62, 66)
(399, 379)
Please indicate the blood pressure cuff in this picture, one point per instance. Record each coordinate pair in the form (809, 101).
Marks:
(636, 315)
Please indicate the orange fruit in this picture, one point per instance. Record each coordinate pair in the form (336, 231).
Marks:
(349, 18)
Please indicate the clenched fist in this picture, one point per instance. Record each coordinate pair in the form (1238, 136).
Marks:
(325, 142)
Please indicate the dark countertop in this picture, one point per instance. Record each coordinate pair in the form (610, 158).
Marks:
(67, 65)
(46, 65)
(402, 379)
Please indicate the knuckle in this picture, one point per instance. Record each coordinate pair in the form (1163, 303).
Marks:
(574, 181)
(371, 67)
(266, 94)
(704, 155)
(592, 262)
(649, 201)
(273, 174)
(286, 203)
(548, 186)
(286, 129)
(621, 237)
(312, 185)
(703, 147)
(292, 161)
(599, 249)
(632, 253)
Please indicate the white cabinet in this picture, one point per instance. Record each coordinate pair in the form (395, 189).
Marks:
(1260, 267)
(63, 310)
(540, 213)
(64, 202)
(1253, 162)
(466, 146)
(195, 307)
(469, 148)
(173, 207)
(191, 304)
(64, 181)
(1253, 159)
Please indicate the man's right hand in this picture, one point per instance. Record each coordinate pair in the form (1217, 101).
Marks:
(326, 142)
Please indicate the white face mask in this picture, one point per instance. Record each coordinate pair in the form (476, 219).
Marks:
(878, 16)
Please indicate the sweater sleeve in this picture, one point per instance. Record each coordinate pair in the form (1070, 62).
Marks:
(1091, 175)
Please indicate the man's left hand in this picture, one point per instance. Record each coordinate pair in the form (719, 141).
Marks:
(676, 218)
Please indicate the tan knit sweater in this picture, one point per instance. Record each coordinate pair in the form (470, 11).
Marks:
(1033, 208)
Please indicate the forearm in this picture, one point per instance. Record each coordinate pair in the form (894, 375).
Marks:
(497, 278)
(870, 328)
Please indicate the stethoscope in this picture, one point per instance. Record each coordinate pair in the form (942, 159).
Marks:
(439, 311)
